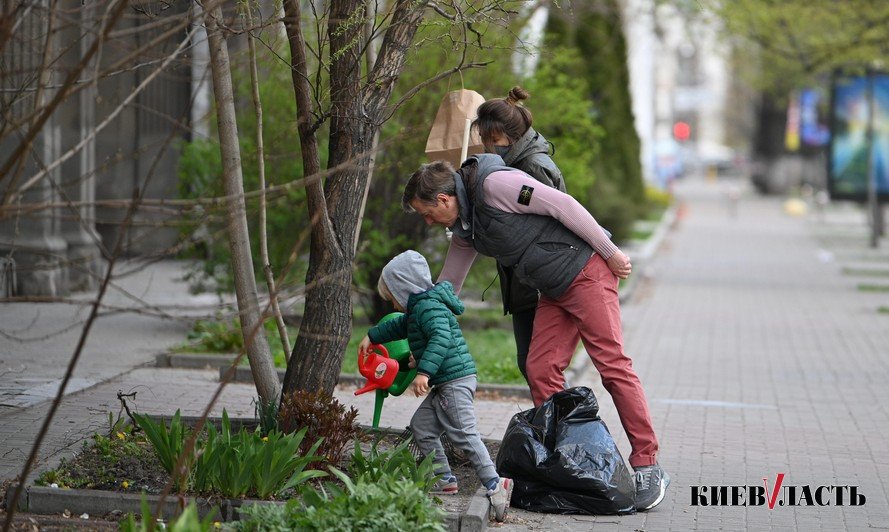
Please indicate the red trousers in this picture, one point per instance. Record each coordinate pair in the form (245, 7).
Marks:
(591, 308)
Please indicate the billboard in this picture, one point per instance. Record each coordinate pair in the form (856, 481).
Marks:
(847, 158)
(807, 120)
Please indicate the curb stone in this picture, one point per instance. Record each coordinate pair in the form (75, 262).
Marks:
(195, 360)
(475, 519)
(47, 501)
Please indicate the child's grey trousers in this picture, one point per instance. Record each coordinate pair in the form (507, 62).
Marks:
(449, 409)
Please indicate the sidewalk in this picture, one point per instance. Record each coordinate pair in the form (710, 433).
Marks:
(37, 339)
(758, 355)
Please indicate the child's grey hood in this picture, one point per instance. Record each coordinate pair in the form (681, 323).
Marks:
(406, 274)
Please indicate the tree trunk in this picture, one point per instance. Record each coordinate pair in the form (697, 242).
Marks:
(258, 352)
(357, 111)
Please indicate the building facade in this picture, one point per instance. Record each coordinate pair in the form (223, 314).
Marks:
(86, 127)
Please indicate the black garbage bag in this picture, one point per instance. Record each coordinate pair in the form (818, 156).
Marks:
(563, 460)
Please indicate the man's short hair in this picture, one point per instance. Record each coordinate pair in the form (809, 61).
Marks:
(427, 183)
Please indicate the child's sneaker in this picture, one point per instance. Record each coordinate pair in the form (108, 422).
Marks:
(445, 486)
(500, 496)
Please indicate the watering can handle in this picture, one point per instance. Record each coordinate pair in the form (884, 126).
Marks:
(379, 349)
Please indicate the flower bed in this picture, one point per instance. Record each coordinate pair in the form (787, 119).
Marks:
(112, 476)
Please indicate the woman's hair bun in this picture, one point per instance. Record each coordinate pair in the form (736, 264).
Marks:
(517, 94)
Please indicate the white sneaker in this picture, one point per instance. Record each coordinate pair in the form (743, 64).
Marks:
(499, 498)
(445, 486)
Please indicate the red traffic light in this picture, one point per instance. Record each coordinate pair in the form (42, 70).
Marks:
(681, 131)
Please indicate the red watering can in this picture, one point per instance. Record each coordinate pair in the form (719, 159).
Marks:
(391, 381)
(379, 370)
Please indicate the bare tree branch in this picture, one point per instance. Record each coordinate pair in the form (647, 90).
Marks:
(441, 75)
(260, 154)
(10, 20)
(217, 201)
(405, 21)
(438, 9)
(308, 142)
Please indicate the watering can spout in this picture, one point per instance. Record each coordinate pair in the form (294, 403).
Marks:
(369, 387)
(379, 370)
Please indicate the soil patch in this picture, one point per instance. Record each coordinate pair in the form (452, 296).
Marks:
(127, 465)
(53, 523)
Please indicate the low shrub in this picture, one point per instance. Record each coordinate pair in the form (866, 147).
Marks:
(387, 503)
(614, 210)
(657, 199)
(398, 462)
(187, 521)
(324, 418)
(265, 517)
(216, 336)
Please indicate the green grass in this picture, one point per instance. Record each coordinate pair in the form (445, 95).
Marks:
(883, 310)
(494, 352)
(186, 347)
(492, 348)
(865, 272)
(873, 287)
(640, 234)
(350, 361)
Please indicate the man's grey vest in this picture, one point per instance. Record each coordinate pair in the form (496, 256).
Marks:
(544, 253)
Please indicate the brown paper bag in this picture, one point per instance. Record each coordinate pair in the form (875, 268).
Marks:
(446, 137)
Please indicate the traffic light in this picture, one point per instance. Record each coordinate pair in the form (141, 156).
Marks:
(681, 131)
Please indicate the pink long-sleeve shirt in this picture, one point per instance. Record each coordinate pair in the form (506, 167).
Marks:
(501, 192)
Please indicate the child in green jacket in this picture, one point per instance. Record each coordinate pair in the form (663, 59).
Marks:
(445, 371)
